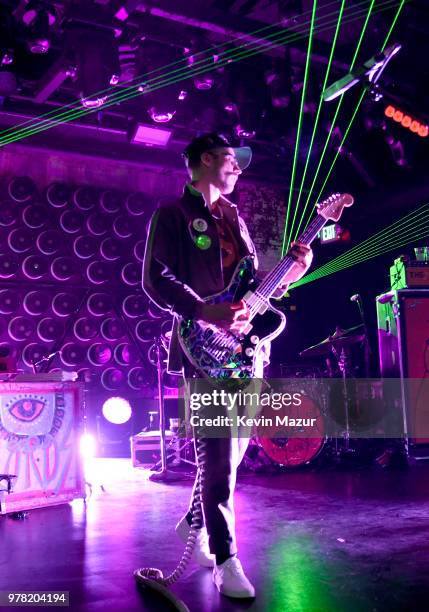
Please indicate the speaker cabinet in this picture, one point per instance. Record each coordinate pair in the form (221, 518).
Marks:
(403, 338)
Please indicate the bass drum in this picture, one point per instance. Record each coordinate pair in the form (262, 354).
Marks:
(297, 451)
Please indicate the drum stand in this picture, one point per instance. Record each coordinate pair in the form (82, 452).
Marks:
(164, 475)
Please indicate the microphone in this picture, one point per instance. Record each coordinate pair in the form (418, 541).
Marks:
(370, 70)
(355, 297)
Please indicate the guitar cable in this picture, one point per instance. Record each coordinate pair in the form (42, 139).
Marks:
(153, 578)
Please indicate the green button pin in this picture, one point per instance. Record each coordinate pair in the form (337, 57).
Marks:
(203, 242)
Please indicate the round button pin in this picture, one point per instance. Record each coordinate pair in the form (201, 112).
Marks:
(200, 225)
(203, 242)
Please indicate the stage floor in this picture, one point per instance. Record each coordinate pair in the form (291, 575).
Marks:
(310, 541)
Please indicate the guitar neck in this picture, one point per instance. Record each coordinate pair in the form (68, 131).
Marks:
(274, 278)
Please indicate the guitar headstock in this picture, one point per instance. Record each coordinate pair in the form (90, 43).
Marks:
(332, 208)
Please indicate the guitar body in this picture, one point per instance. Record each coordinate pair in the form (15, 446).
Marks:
(217, 353)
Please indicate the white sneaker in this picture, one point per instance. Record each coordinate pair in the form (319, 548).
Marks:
(201, 551)
(231, 580)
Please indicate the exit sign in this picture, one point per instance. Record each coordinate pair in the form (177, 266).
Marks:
(330, 233)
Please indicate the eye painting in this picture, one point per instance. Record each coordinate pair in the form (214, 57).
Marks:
(26, 409)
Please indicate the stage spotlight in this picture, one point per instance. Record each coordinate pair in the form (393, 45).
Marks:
(21, 189)
(97, 61)
(146, 330)
(98, 272)
(97, 224)
(126, 354)
(87, 446)
(117, 410)
(21, 328)
(146, 135)
(32, 353)
(139, 249)
(138, 378)
(39, 16)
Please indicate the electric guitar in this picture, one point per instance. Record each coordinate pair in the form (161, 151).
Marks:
(221, 354)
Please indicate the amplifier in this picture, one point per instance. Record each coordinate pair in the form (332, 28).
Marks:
(403, 336)
(406, 274)
(146, 448)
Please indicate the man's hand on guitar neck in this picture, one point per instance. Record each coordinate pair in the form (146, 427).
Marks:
(230, 316)
(303, 256)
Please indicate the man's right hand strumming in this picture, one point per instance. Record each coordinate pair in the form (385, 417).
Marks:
(231, 316)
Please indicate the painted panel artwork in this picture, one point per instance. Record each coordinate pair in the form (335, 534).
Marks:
(40, 425)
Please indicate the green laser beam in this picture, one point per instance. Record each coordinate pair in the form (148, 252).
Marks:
(300, 118)
(319, 109)
(406, 241)
(423, 226)
(338, 108)
(137, 80)
(355, 252)
(361, 248)
(121, 97)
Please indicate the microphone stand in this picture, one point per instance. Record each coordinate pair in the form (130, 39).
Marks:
(367, 349)
(164, 475)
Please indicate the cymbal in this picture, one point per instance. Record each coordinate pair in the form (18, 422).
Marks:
(341, 338)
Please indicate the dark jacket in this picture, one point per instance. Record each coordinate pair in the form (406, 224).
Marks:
(177, 273)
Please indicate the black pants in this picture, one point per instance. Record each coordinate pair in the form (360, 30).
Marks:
(222, 458)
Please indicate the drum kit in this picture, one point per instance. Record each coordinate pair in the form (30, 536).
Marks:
(299, 451)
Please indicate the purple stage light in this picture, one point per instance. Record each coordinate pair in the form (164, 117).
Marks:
(137, 204)
(144, 134)
(32, 353)
(146, 330)
(126, 354)
(117, 410)
(97, 224)
(122, 227)
(137, 378)
(85, 198)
